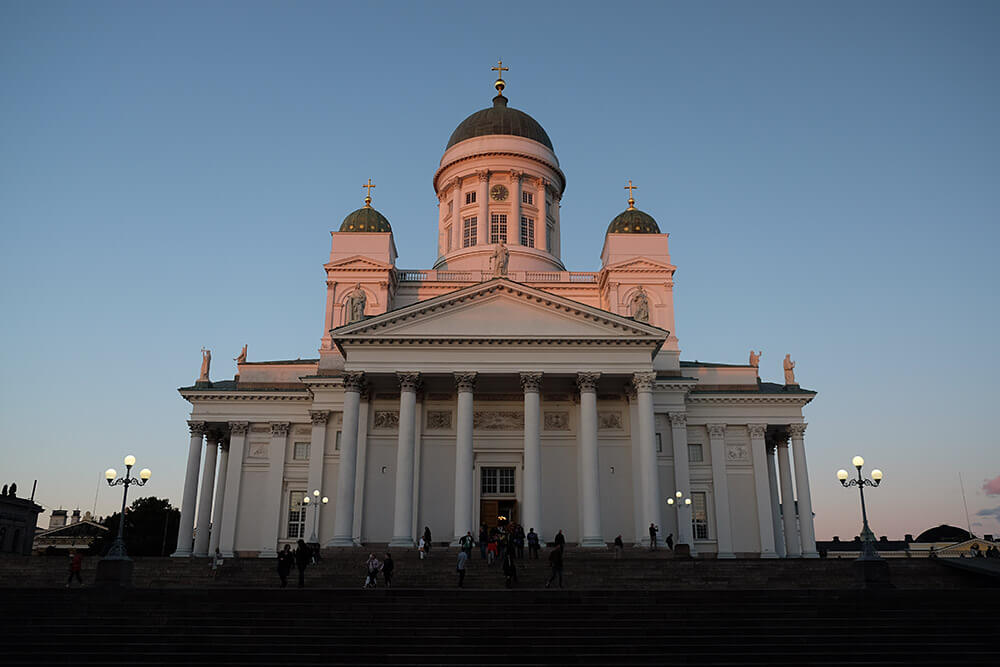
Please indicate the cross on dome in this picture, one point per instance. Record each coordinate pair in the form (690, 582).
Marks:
(499, 69)
(631, 200)
(368, 195)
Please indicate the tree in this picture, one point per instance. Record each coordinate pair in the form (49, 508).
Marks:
(150, 528)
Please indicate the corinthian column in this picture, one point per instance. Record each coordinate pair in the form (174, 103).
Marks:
(758, 448)
(227, 527)
(649, 469)
(772, 480)
(185, 530)
(484, 208)
(638, 509)
(531, 383)
(201, 536)
(682, 477)
(802, 487)
(402, 522)
(220, 499)
(590, 495)
(542, 224)
(343, 517)
(466, 384)
(456, 215)
(317, 455)
(720, 484)
(515, 181)
(793, 547)
(274, 489)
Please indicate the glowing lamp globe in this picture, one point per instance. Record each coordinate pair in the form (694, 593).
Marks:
(877, 475)
(842, 475)
(857, 462)
(130, 460)
(110, 473)
(145, 473)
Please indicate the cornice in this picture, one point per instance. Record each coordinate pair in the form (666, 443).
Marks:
(246, 396)
(487, 154)
(643, 341)
(728, 399)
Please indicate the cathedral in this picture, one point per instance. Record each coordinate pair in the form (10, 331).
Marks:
(497, 385)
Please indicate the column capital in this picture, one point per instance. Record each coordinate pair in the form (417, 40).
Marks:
(354, 381)
(466, 381)
(587, 381)
(238, 428)
(678, 419)
(531, 381)
(515, 175)
(279, 429)
(717, 430)
(213, 437)
(484, 176)
(644, 380)
(319, 417)
(797, 430)
(408, 381)
(197, 428)
(757, 430)
(630, 392)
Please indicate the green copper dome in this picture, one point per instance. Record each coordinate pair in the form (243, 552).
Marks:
(633, 221)
(500, 119)
(365, 219)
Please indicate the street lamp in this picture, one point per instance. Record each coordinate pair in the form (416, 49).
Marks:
(118, 551)
(305, 501)
(678, 502)
(868, 552)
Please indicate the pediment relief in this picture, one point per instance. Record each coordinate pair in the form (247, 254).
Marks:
(357, 263)
(641, 264)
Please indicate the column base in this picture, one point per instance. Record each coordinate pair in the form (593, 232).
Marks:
(200, 554)
(793, 556)
(593, 543)
(811, 554)
(229, 554)
(342, 542)
(181, 554)
(725, 554)
(267, 553)
(769, 554)
(402, 542)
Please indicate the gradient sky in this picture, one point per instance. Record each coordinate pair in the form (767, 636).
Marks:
(828, 174)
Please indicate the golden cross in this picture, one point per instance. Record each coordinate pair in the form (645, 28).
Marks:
(368, 196)
(499, 69)
(630, 188)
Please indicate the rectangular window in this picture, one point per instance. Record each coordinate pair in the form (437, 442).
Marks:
(659, 444)
(296, 515)
(548, 237)
(470, 197)
(699, 515)
(301, 451)
(447, 238)
(498, 228)
(527, 232)
(527, 198)
(469, 232)
(695, 454)
(497, 481)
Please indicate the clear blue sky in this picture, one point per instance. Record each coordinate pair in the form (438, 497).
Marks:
(828, 173)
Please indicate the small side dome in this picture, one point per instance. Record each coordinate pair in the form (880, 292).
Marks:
(365, 219)
(633, 221)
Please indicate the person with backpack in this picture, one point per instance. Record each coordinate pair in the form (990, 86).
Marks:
(466, 543)
(533, 544)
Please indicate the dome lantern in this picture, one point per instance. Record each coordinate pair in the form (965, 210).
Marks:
(632, 220)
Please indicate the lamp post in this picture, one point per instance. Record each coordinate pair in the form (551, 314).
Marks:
(318, 501)
(678, 501)
(115, 569)
(868, 552)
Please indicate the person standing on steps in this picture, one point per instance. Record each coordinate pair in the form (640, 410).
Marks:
(652, 537)
(519, 540)
(303, 554)
(532, 544)
(556, 561)
(422, 547)
(387, 567)
(509, 568)
(285, 560)
(466, 543)
(670, 541)
(463, 558)
(427, 541)
(75, 565)
(619, 547)
(560, 540)
(217, 561)
(484, 538)
(372, 567)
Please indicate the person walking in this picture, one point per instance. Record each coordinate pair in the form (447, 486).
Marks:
(492, 551)
(463, 558)
(285, 560)
(217, 561)
(75, 566)
(422, 547)
(670, 541)
(303, 554)
(619, 547)
(372, 567)
(467, 543)
(387, 567)
(532, 544)
(484, 538)
(427, 540)
(652, 537)
(519, 540)
(560, 539)
(509, 568)
(556, 562)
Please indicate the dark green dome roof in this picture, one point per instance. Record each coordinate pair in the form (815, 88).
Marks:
(633, 221)
(365, 219)
(499, 119)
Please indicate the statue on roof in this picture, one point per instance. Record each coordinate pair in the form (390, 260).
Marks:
(206, 362)
(789, 370)
(356, 301)
(640, 306)
(755, 358)
(242, 356)
(4, 492)
(501, 257)
(12, 492)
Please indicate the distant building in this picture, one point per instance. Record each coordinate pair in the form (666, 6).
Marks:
(79, 533)
(18, 517)
(943, 541)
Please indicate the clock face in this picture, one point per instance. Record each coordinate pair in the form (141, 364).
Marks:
(498, 192)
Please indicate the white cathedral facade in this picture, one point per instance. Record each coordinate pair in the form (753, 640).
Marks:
(497, 383)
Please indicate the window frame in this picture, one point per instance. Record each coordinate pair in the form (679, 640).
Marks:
(470, 197)
(470, 226)
(498, 228)
(700, 527)
(295, 517)
(305, 446)
(527, 232)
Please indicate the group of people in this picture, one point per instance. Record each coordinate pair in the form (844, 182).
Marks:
(374, 567)
(504, 543)
(653, 546)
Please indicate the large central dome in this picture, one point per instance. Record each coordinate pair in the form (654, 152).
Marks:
(500, 119)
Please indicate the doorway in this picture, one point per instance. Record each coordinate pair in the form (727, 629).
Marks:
(499, 511)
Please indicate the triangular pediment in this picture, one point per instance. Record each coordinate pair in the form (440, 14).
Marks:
(501, 310)
(640, 264)
(359, 263)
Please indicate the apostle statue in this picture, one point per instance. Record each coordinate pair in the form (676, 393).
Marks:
(755, 358)
(242, 356)
(501, 256)
(206, 361)
(356, 301)
(789, 370)
(640, 306)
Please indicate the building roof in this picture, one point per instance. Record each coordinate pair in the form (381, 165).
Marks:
(500, 119)
(633, 221)
(944, 533)
(365, 219)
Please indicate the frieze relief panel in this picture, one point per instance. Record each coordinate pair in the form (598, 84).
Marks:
(738, 453)
(438, 420)
(386, 419)
(556, 420)
(498, 420)
(609, 420)
(257, 450)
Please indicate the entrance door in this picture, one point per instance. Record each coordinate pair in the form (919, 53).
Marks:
(493, 512)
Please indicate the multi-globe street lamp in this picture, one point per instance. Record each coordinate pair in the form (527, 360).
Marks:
(118, 550)
(317, 501)
(868, 552)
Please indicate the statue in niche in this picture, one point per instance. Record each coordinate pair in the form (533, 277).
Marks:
(640, 306)
(501, 257)
(356, 301)
(789, 370)
(242, 356)
(755, 358)
(206, 362)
